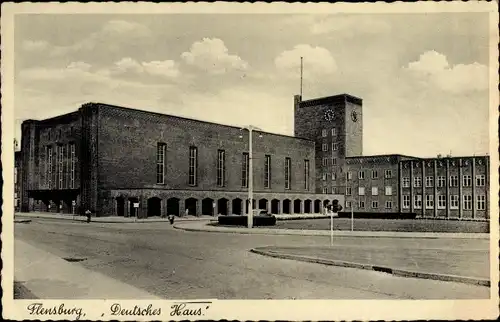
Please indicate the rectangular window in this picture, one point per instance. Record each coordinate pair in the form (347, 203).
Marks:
(244, 170)
(406, 182)
(325, 176)
(325, 162)
(306, 174)
(348, 204)
(454, 202)
(288, 172)
(334, 176)
(334, 161)
(429, 182)
(193, 165)
(388, 174)
(480, 180)
(375, 204)
(60, 166)
(388, 190)
(429, 202)
(348, 191)
(361, 191)
(349, 175)
(388, 204)
(48, 169)
(323, 133)
(417, 182)
(325, 191)
(441, 202)
(467, 202)
(466, 181)
(441, 181)
(221, 168)
(267, 172)
(334, 190)
(160, 163)
(374, 191)
(334, 131)
(73, 165)
(406, 201)
(374, 174)
(481, 202)
(361, 175)
(325, 147)
(453, 181)
(361, 204)
(417, 201)
(335, 146)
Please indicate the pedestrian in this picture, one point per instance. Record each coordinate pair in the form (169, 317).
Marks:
(88, 213)
(171, 218)
(187, 212)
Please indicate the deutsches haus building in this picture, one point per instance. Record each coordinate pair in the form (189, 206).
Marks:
(124, 162)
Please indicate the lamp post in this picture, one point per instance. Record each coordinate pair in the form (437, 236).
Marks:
(250, 129)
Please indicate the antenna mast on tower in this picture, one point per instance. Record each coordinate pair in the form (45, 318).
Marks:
(301, 71)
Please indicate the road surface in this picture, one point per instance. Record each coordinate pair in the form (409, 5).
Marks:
(176, 264)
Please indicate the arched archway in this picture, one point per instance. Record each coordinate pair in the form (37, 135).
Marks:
(248, 203)
(133, 210)
(326, 203)
(275, 206)
(307, 206)
(317, 206)
(286, 206)
(237, 206)
(222, 206)
(263, 204)
(207, 207)
(120, 206)
(154, 207)
(190, 205)
(173, 206)
(297, 205)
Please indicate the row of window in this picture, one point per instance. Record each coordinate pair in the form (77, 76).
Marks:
(65, 162)
(59, 133)
(333, 131)
(221, 168)
(375, 174)
(441, 181)
(375, 204)
(335, 147)
(361, 191)
(441, 202)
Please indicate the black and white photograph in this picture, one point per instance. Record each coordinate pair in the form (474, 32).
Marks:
(250, 161)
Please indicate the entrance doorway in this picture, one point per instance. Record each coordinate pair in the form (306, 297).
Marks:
(207, 207)
(120, 206)
(154, 207)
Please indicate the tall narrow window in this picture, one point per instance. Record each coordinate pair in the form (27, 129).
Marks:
(160, 163)
(481, 202)
(64, 168)
(287, 172)
(221, 168)
(60, 163)
(306, 175)
(193, 165)
(244, 170)
(48, 169)
(267, 172)
(72, 166)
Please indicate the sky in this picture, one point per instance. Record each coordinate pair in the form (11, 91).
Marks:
(423, 78)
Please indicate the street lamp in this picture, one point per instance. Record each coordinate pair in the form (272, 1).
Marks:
(250, 130)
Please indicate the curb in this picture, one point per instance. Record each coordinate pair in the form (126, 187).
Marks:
(321, 233)
(384, 269)
(22, 221)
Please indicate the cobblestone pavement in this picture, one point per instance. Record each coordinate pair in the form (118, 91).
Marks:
(172, 263)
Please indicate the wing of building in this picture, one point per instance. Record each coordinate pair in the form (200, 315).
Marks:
(120, 161)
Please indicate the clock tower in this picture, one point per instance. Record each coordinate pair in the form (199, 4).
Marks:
(334, 123)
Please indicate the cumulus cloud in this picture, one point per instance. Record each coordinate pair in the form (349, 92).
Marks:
(127, 65)
(350, 25)
(435, 68)
(317, 60)
(212, 55)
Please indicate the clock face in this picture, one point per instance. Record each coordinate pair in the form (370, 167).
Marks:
(329, 115)
(354, 116)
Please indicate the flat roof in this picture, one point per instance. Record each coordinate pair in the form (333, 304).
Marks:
(332, 100)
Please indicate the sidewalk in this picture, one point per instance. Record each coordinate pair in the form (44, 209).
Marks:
(111, 219)
(206, 227)
(47, 276)
(462, 266)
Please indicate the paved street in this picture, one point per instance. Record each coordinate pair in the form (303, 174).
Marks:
(172, 263)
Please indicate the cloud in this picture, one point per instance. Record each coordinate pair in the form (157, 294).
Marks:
(317, 61)
(350, 25)
(129, 66)
(434, 67)
(35, 45)
(119, 31)
(212, 55)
